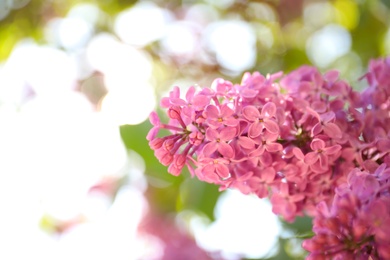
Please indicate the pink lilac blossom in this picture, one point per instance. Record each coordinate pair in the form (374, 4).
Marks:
(233, 129)
(357, 223)
(300, 139)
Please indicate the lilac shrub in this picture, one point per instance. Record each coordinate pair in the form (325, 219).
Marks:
(306, 140)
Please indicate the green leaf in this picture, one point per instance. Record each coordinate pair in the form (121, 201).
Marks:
(301, 225)
(198, 196)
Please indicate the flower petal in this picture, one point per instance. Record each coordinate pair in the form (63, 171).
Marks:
(226, 111)
(383, 145)
(319, 106)
(266, 159)
(317, 128)
(298, 153)
(152, 133)
(268, 174)
(190, 94)
(211, 111)
(244, 176)
(333, 131)
(231, 121)
(257, 152)
(180, 160)
(251, 113)
(154, 119)
(283, 188)
(246, 142)
(248, 93)
(331, 75)
(226, 150)
(200, 100)
(323, 160)
(165, 158)
(271, 126)
(332, 150)
(212, 134)
(222, 170)
(268, 110)
(311, 158)
(327, 117)
(227, 133)
(317, 144)
(210, 148)
(208, 169)
(178, 102)
(349, 153)
(174, 169)
(255, 129)
(274, 147)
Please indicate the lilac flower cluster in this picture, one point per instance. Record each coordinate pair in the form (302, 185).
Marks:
(357, 223)
(299, 138)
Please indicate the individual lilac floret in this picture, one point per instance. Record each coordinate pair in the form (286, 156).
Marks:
(261, 120)
(220, 116)
(218, 141)
(284, 202)
(212, 170)
(326, 124)
(318, 160)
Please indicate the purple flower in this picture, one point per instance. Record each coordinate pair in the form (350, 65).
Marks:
(251, 84)
(363, 184)
(213, 170)
(173, 94)
(220, 116)
(241, 180)
(300, 162)
(304, 82)
(284, 202)
(261, 120)
(193, 100)
(219, 141)
(319, 158)
(261, 182)
(325, 124)
(155, 120)
(357, 222)
(295, 140)
(224, 88)
(266, 142)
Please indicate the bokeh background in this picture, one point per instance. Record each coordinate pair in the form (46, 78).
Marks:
(78, 80)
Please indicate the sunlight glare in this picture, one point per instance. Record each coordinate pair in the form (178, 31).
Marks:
(129, 106)
(241, 216)
(328, 44)
(142, 24)
(234, 44)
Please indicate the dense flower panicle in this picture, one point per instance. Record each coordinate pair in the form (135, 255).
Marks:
(357, 223)
(294, 138)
